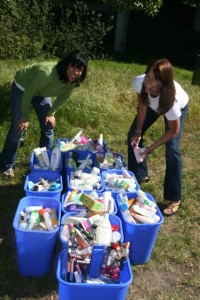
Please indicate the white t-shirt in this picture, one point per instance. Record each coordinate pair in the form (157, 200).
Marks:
(181, 98)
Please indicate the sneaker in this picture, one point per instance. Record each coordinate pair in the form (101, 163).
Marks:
(8, 173)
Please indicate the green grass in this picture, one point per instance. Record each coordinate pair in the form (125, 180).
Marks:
(106, 103)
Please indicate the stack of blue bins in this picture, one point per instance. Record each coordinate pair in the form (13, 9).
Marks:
(35, 248)
(73, 290)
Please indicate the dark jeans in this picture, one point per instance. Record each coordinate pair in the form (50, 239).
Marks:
(173, 173)
(41, 106)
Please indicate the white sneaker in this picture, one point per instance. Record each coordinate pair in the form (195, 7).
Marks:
(8, 173)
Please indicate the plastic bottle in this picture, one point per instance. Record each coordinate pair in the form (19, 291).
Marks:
(108, 201)
(45, 156)
(34, 218)
(138, 154)
(104, 231)
(54, 218)
(47, 219)
(76, 137)
(100, 139)
(128, 217)
(118, 162)
(55, 157)
(109, 155)
(84, 164)
(39, 156)
(70, 162)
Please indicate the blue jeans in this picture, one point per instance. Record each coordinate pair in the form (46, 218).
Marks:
(41, 106)
(173, 172)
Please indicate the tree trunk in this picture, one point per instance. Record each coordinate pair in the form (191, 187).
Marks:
(121, 29)
(196, 26)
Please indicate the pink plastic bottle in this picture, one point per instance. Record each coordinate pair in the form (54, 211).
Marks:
(138, 154)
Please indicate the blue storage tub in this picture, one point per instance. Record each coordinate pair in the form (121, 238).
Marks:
(141, 236)
(99, 194)
(84, 291)
(35, 249)
(35, 178)
(34, 161)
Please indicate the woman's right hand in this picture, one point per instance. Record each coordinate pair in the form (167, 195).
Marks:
(22, 125)
(135, 140)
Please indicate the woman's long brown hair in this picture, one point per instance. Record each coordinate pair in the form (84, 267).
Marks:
(162, 70)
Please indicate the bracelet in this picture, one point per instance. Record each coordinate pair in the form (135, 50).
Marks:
(138, 131)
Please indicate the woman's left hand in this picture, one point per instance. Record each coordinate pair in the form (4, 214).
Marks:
(51, 120)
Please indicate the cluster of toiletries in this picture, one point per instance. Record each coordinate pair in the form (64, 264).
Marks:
(80, 142)
(123, 181)
(109, 160)
(138, 209)
(44, 185)
(85, 232)
(74, 162)
(79, 201)
(38, 218)
(83, 180)
(44, 161)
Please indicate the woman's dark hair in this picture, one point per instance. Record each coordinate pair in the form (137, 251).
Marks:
(162, 70)
(76, 59)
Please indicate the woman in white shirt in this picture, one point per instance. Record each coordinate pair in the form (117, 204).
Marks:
(159, 95)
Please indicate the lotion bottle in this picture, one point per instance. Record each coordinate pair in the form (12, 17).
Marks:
(55, 157)
(104, 231)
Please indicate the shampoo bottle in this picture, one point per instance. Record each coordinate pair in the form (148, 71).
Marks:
(55, 157)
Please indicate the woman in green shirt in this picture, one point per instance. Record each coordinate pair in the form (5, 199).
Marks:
(35, 85)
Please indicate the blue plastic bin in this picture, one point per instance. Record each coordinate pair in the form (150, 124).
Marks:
(114, 220)
(35, 249)
(34, 161)
(141, 236)
(35, 178)
(115, 191)
(64, 211)
(84, 291)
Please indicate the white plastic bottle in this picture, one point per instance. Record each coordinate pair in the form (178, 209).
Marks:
(108, 202)
(76, 137)
(45, 156)
(55, 157)
(138, 154)
(100, 139)
(104, 231)
(84, 163)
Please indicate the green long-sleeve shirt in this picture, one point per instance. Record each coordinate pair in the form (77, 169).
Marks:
(42, 79)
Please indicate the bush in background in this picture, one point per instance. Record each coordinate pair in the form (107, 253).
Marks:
(33, 28)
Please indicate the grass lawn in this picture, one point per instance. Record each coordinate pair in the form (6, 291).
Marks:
(106, 103)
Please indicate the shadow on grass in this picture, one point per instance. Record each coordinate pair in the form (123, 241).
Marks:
(5, 101)
(12, 284)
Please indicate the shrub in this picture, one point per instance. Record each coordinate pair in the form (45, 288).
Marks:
(35, 28)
